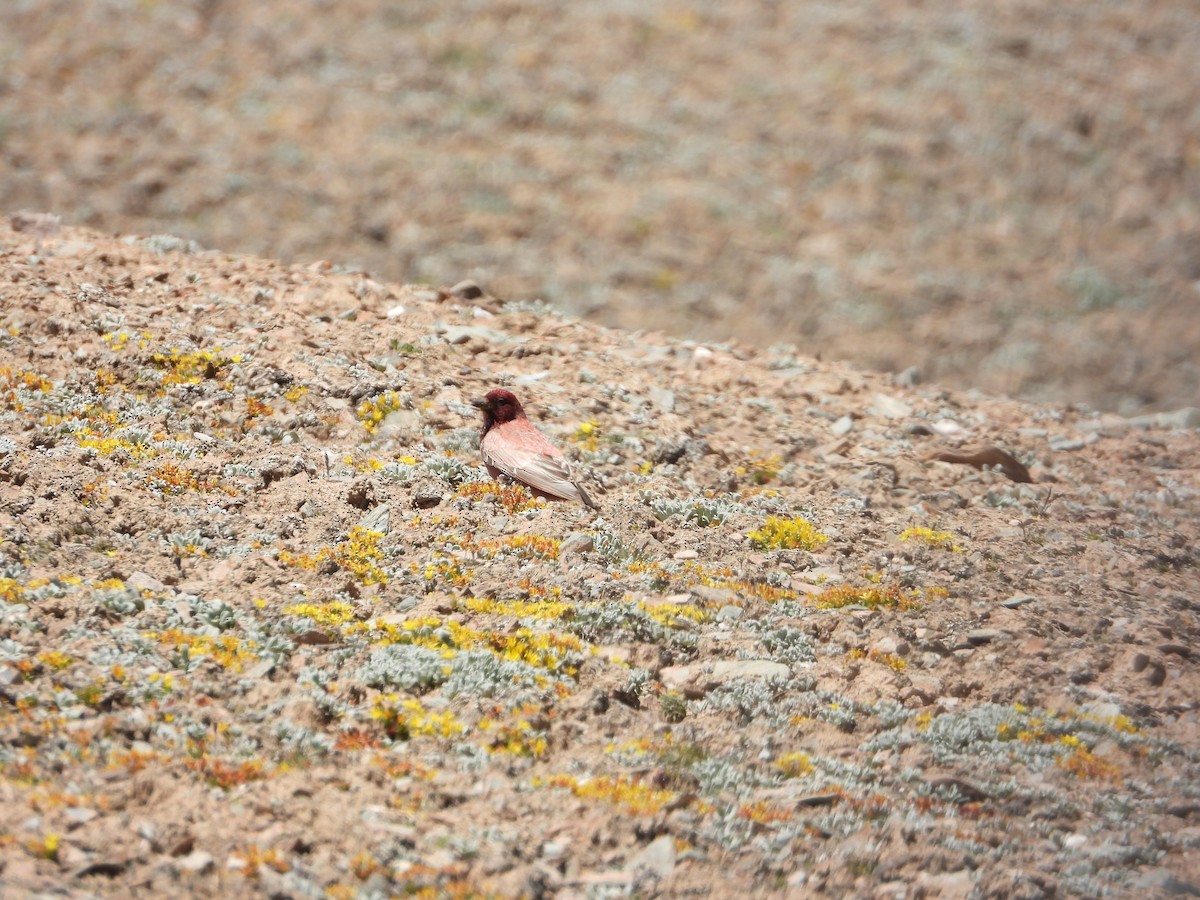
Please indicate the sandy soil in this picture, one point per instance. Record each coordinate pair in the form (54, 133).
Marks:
(267, 629)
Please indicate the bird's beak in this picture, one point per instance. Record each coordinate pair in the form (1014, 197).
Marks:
(479, 403)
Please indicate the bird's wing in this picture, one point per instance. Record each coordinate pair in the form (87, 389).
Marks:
(548, 474)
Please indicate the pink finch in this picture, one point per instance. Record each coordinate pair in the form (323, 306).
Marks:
(511, 446)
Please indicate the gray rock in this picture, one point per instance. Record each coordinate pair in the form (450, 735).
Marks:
(926, 688)
(890, 407)
(729, 669)
(676, 677)
(1065, 444)
(842, 426)
(577, 542)
(714, 596)
(980, 636)
(657, 857)
(663, 400)
(260, 670)
(461, 334)
(78, 815)
(892, 645)
(143, 582)
(426, 497)
(1017, 600)
(1188, 417)
(1163, 883)
(378, 519)
(197, 861)
(730, 613)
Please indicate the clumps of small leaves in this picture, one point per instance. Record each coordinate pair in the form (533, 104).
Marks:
(787, 534)
(189, 543)
(749, 699)
(534, 545)
(874, 596)
(587, 435)
(404, 718)
(705, 512)
(55, 660)
(522, 609)
(787, 644)
(674, 706)
(942, 540)
(445, 569)
(171, 480)
(481, 673)
(252, 859)
(610, 546)
(616, 622)
(459, 440)
(405, 666)
(190, 367)
(333, 614)
(360, 555)
(453, 471)
(635, 797)
(371, 412)
(187, 649)
(794, 765)
(897, 664)
(256, 409)
(512, 498)
(1086, 764)
(762, 469)
(517, 738)
(47, 847)
(16, 386)
(676, 615)
(226, 774)
(1015, 734)
(121, 601)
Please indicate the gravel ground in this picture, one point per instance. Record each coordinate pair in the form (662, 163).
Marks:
(268, 629)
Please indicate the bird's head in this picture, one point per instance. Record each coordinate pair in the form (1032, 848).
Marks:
(498, 406)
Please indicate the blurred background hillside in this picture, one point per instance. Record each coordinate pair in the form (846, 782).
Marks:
(1004, 194)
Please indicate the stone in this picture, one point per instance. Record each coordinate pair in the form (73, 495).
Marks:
(663, 399)
(729, 669)
(378, 519)
(890, 407)
(426, 497)
(198, 861)
(1065, 444)
(675, 677)
(979, 636)
(657, 857)
(1017, 600)
(730, 614)
(142, 582)
(926, 688)
(577, 542)
(842, 426)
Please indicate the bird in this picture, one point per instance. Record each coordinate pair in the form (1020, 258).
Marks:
(512, 446)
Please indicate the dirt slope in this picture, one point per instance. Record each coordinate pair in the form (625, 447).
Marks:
(266, 628)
